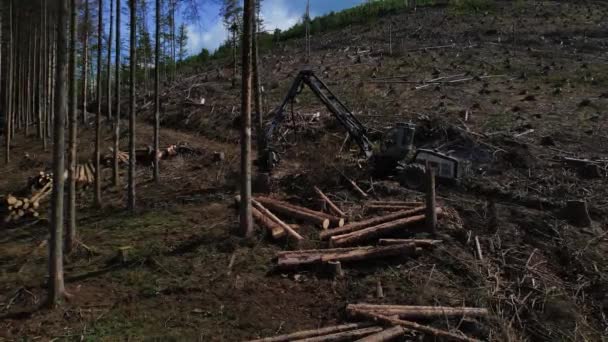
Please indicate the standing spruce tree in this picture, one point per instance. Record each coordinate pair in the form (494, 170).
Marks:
(157, 92)
(109, 67)
(257, 82)
(133, 65)
(56, 288)
(115, 174)
(231, 15)
(98, 114)
(85, 61)
(72, 127)
(246, 223)
(8, 119)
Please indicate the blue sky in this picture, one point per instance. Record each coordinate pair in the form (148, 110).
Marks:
(209, 32)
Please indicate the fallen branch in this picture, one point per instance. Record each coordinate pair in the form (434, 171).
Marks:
(343, 336)
(314, 332)
(332, 207)
(414, 326)
(385, 335)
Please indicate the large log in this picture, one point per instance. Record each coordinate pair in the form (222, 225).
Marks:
(377, 231)
(385, 335)
(314, 332)
(265, 221)
(273, 227)
(390, 207)
(418, 312)
(415, 326)
(300, 213)
(351, 227)
(332, 207)
(311, 257)
(343, 336)
(267, 212)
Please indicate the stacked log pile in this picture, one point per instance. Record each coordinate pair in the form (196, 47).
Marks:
(387, 323)
(145, 156)
(21, 207)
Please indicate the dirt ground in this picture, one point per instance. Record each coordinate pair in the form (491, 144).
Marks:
(531, 89)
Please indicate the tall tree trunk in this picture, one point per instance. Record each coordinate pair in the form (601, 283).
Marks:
(85, 63)
(115, 175)
(245, 207)
(72, 125)
(8, 119)
(45, 70)
(56, 284)
(109, 71)
(257, 87)
(98, 115)
(234, 65)
(157, 93)
(133, 59)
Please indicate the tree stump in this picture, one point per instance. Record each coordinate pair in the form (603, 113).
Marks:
(577, 214)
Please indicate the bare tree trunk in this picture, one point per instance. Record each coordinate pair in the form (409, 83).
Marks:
(72, 126)
(98, 115)
(43, 80)
(115, 175)
(234, 66)
(245, 207)
(85, 63)
(8, 119)
(56, 284)
(157, 94)
(133, 59)
(258, 87)
(109, 71)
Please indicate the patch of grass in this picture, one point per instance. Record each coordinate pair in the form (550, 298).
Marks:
(471, 6)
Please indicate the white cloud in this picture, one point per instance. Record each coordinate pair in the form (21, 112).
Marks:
(277, 14)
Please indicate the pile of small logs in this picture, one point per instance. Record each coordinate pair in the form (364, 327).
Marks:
(20, 207)
(145, 156)
(386, 323)
(85, 173)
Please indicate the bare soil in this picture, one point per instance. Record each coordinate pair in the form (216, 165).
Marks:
(540, 66)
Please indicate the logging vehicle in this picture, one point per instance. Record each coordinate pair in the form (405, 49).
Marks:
(394, 155)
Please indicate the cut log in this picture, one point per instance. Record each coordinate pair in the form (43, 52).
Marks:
(415, 326)
(343, 336)
(418, 312)
(351, 227)
(267, 212)
(416, 242)
(295, 212)
(332, 207)
(377, 231)
(301, 258)
(273, 227)
(385, 335)
(431, 213)
(314, 332)
(335, 221)
(11, 200)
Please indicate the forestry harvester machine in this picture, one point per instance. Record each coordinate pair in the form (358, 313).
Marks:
(396, 154)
